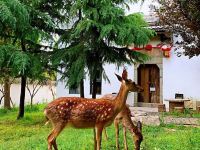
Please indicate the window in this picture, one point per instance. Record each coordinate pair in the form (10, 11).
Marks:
(74, 89)
(98, 83)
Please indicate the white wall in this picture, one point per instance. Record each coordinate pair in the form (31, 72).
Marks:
(107, 88)
(44, 95)
(181, 75)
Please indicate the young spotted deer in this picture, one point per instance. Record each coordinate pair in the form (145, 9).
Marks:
(124, 117)
(86, 113)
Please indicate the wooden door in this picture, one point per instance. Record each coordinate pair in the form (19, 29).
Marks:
(149, 79)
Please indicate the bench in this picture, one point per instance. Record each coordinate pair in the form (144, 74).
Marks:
(176, 103)
(198, 109)
(179, 109)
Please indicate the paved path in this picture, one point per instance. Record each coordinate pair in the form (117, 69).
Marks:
(150, 116)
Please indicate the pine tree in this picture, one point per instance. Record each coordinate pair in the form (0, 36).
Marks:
(101, 36)
(21, 56)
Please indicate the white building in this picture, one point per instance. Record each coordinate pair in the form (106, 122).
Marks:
(161, 77)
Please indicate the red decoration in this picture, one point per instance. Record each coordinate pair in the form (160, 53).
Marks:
(148, 47)
(165, 48)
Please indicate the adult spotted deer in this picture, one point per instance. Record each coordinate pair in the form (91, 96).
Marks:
(87, 113)
(125, 118)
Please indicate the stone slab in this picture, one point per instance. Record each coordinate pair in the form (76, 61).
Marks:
(147, 120)
(181, 121)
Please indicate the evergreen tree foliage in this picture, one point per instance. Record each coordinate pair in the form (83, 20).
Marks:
(21, 52)
(13, 16)
(100, 33)
(91, 34)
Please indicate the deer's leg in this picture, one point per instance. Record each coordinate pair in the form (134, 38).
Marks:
(95, 141)
(116, 124)
(99, 129)
(52, 136)
(105, 134)
(49, 143)
(125, 141)
(54, 144)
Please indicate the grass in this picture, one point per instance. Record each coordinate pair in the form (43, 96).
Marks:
(30, 133)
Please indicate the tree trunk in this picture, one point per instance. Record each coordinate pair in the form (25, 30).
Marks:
(7, 93)
(82, 80)
(82, 88)
(31, 101)
(22, 97)
(94, 88)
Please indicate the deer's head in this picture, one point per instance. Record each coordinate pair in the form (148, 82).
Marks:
(138, 136)
(130, 85)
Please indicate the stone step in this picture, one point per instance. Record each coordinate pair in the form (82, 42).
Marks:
(150, 116)
(181, 121)
(150, 105)
(143, 109)
(147, 120)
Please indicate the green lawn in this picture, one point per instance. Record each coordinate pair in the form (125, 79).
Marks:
(30, 133)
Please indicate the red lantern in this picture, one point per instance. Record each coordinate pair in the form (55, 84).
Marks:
(166, 51)
(148, 47)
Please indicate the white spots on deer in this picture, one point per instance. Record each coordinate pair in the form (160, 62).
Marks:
(81, 106)
(88, 115)
(102, 117)
(94, 102)
(108, 117)
(62, 103)
(94, 111)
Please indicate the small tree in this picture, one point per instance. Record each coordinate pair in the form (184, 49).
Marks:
(51, 88)
(37, 81)
(7, 93)
(182, 18)
(6, 83)
(2, 92)
(35, 87)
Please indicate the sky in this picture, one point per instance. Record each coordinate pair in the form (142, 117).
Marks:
(140, 8)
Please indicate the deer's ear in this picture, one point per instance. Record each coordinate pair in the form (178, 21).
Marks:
(119, 78)
(125, 74)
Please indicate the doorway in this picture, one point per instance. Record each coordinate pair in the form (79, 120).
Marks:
(149, 79)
